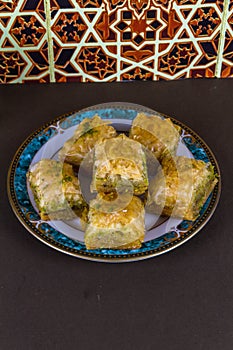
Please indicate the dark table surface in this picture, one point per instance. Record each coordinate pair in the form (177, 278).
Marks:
(179, 300)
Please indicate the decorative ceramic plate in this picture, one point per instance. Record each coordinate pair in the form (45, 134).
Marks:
(162, 234)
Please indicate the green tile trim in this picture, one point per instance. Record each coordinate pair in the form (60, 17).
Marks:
(222, 38)
(50, 41)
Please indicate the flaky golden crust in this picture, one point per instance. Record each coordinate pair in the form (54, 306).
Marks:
(56, 190)
(160, 136)
(88, 133)
(119, 162)
(121, 229)
(181, 187)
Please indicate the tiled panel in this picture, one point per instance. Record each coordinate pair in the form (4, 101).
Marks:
(135, 39)
(79, 34)
(188, 45)
(227, 61)
(112, 40)
(23, 42)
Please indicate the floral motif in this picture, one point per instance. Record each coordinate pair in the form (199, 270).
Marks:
(96, 63)
(11, 66)
(180, 57)
(138, 30)
(27, 30)
(204, 21)
(70, 27)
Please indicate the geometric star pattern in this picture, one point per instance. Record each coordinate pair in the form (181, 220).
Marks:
(114, 40)
(227, 60)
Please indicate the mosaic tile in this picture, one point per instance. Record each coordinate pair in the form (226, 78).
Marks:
(227, 61)
(113, 40)
(23, 42)
(192, 33)
(71, 23)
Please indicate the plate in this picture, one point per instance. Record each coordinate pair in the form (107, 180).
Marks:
(162, 234)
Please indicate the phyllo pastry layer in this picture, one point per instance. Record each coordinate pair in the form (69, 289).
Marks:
(88, 133)
(181, 187)
(158, 135)
(119, 229)
(119, 162)
(56, 190)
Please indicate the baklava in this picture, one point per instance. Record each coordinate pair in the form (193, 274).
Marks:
(115, 229)
(88, 133)
(158, 135)
(56, 190)
(181, 187)
(119, 163)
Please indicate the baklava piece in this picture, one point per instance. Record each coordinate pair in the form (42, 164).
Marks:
(119, 162)
(160, 136)
(181, 187)
(56, 190)
(118, 229)
(88, 133)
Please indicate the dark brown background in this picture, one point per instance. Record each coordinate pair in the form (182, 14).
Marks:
(179, 300)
